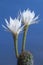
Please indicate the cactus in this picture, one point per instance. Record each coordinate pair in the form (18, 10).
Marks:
(25, 58)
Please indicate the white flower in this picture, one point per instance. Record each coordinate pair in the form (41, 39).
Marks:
(14, 25)
(28, 17)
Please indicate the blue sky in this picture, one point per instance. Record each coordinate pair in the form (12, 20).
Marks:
(34, 36)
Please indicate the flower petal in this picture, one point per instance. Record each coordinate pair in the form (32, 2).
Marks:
(20, 29)
(6, 22)
(36, 17)
(4, 27)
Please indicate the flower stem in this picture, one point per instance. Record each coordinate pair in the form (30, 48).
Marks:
(24, 37)
(16, 44)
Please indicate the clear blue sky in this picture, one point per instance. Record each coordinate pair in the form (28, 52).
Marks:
(34, 36)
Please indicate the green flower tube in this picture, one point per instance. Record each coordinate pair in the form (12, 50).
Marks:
(24, 37)
(15, 37)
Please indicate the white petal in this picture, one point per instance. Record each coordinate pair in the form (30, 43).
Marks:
(36, 17)
(33, 14)
(20, 29)
(36, 21)
(4, 27)
(6, 22)
(11, 20)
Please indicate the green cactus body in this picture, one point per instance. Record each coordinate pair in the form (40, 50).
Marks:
(25, 58)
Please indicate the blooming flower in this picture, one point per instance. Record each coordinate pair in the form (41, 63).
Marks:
(28, 17)
(14, 25)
